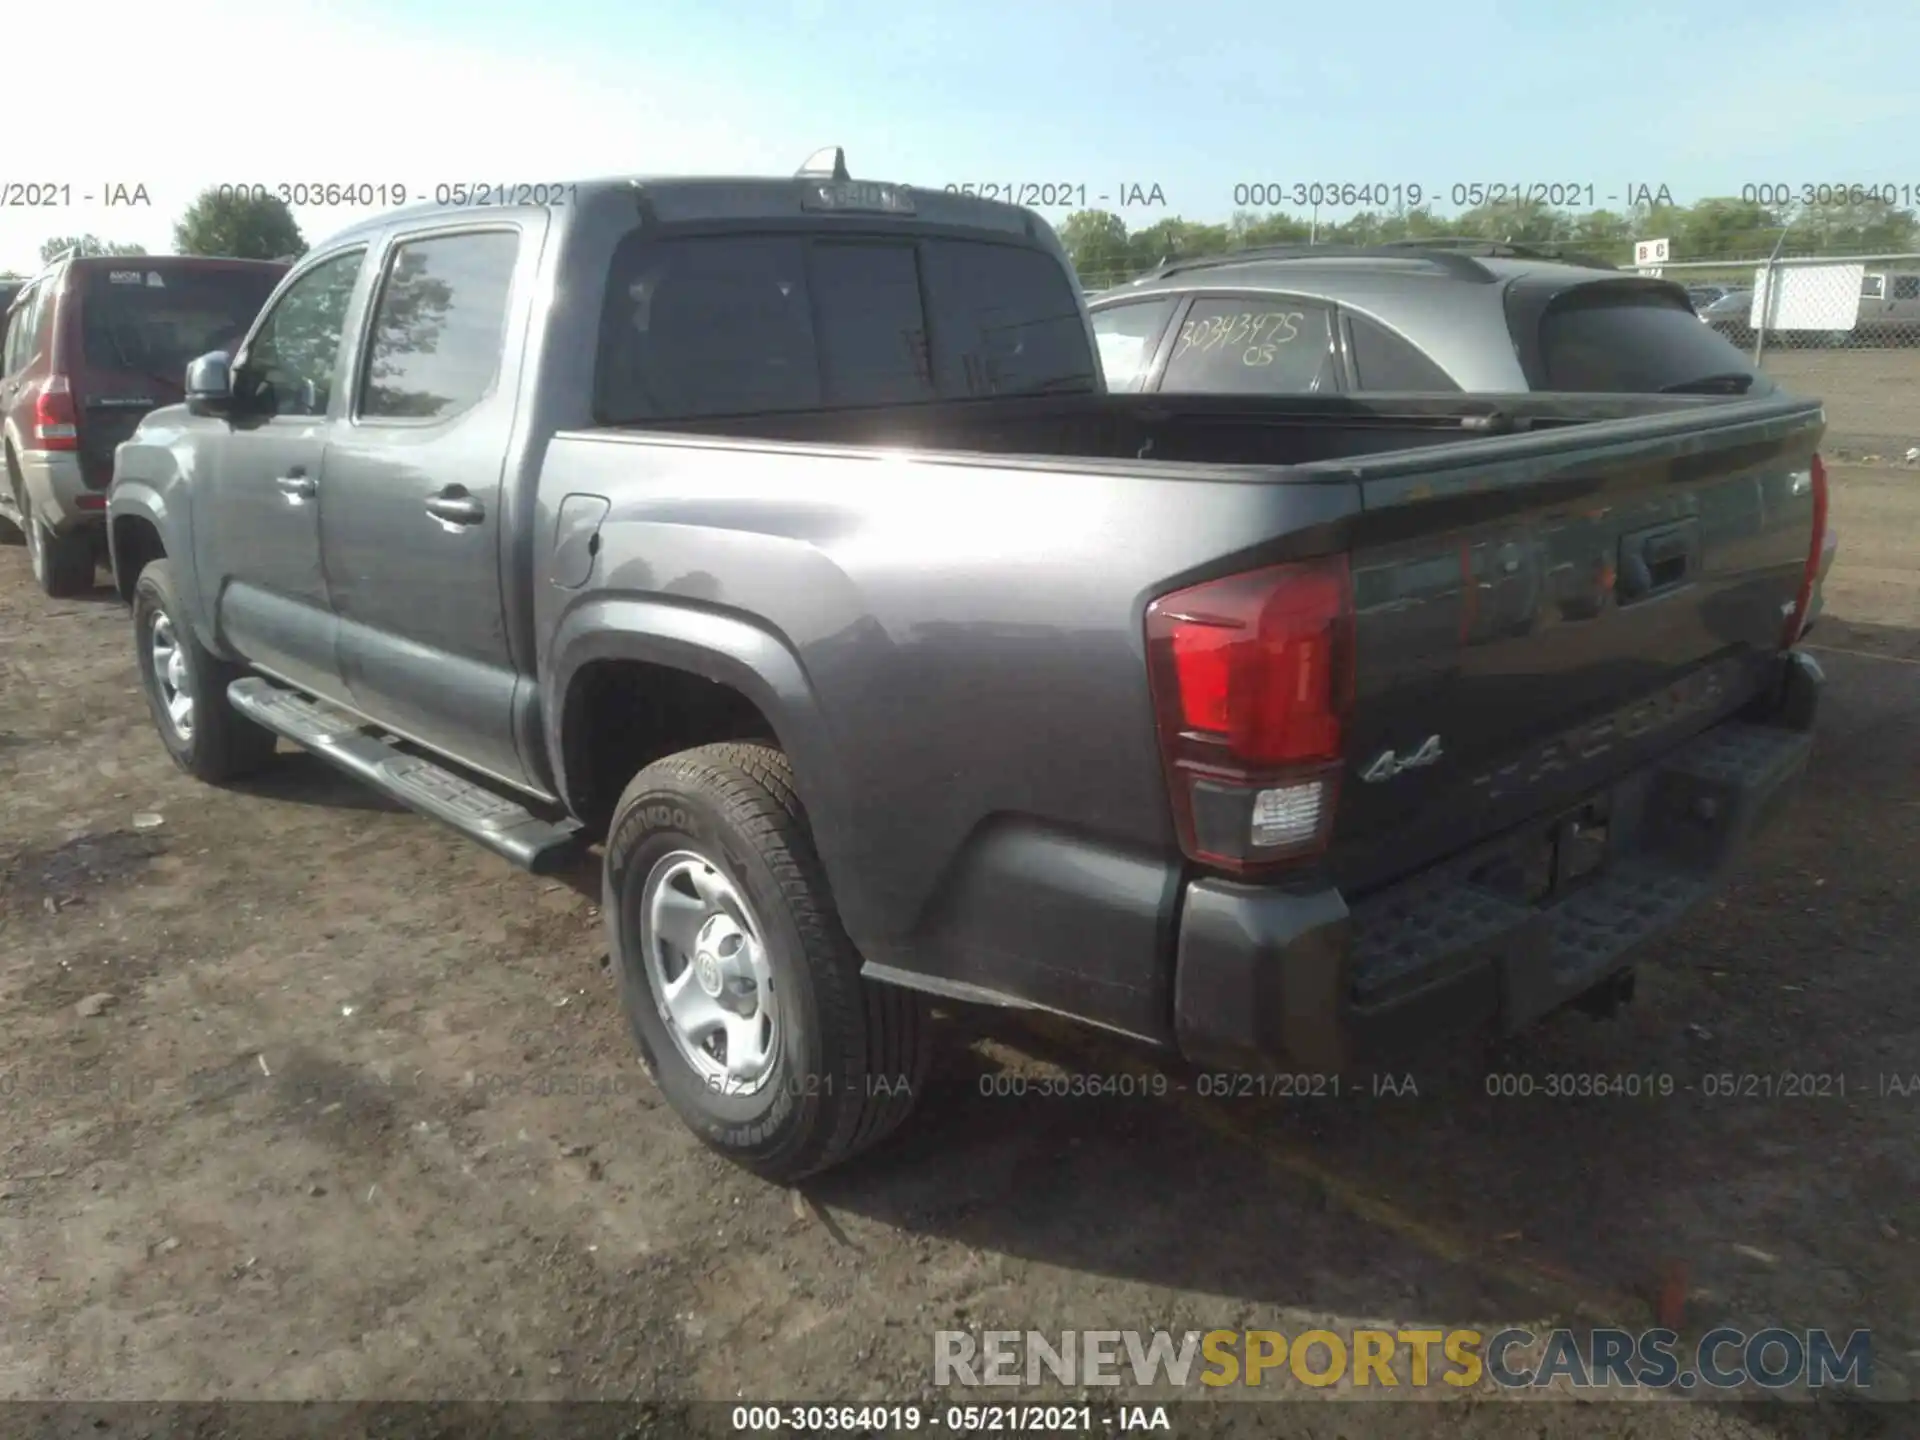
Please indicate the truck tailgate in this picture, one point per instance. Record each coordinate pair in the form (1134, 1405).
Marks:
(1530, 625)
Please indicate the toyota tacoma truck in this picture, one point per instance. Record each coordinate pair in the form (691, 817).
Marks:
(781, 537)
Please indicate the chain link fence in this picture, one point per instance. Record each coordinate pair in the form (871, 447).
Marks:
(1843, 329)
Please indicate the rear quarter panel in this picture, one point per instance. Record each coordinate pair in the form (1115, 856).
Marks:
(951, 650)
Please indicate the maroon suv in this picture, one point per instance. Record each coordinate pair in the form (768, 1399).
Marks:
(92, 344)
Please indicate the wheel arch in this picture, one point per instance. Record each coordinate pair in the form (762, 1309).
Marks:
(737, 680)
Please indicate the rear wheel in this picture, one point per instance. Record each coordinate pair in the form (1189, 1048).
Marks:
(743, 993)
(186, 687)
(11, 533)
(63, 565)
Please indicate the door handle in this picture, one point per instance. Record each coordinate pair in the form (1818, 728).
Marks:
(1657, 559)
(296, 485)
(453, 507)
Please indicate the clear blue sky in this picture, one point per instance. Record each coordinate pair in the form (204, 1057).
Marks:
(1194, 97)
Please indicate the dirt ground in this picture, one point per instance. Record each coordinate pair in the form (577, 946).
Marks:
(306, 1098)
(1872, 396)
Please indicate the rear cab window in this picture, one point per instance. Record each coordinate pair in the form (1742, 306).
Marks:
(146, 317)
(744, 324)
(1612, 338)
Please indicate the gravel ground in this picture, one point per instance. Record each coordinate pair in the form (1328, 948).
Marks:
(1872, 396)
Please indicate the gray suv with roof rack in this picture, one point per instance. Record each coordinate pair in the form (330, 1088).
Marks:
(1437, 316)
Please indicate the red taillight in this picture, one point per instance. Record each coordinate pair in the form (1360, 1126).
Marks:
(54, 419)
(1252, 680)
(1803, 602)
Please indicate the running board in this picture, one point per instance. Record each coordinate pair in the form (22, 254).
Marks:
(485, 816)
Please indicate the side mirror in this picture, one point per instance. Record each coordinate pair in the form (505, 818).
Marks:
(209, 388)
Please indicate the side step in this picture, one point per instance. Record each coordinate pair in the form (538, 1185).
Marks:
(488, 818)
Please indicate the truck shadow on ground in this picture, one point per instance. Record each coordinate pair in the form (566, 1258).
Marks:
(300, 778)
(1760, 1171)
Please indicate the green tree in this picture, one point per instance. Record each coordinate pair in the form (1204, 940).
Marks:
(1715, 228)
(1373, 227)
(1603, 234)
(1871, 227)
(1721, 226)
(86, 245)
(1172, 238)
(245, 226)
(1247, 229)
(1096, 242)
(1520, 222)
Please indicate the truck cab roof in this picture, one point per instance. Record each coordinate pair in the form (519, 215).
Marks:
(701, 201)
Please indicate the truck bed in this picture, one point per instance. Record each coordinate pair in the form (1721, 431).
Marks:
(1233, 431)
(967, 599)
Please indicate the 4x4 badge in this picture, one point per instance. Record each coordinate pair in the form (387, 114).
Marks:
(1386, 764)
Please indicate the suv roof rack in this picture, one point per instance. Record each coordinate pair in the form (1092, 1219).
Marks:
(1455, 261)
(1502, 250)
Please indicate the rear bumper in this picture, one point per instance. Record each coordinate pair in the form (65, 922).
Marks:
(59, 492)
(1304, 978)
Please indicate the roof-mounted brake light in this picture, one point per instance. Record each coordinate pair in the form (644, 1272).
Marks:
(829, 162)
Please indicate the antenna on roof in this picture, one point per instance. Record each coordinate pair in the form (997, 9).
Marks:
(830, 161)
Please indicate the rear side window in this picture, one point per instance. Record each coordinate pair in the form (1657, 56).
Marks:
(149, 318)
(1598, 339)
(1253, 345)
(30, 326)
(438, 326)
(19, 338)
(1127, 336)
(1384, 361)
(1906, 287)
(749, 324)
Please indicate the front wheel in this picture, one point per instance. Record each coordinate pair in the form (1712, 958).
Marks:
(186, 687)
(743, 992)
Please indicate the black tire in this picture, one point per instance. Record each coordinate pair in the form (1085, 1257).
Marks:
(852, 1054)
(10, 532)
(220, 744)
(63, 565)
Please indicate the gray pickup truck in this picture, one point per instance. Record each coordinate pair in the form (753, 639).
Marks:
(781, 534)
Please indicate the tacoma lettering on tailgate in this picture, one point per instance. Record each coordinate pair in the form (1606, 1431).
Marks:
(1698, 694)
